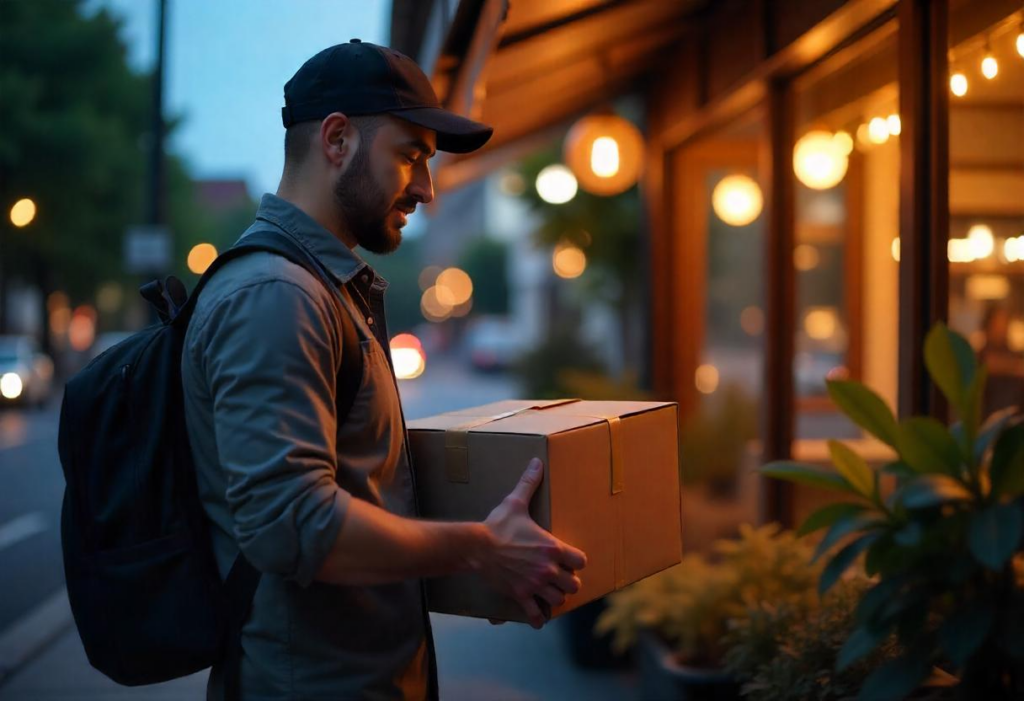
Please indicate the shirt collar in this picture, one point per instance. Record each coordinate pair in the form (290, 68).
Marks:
(341, 261)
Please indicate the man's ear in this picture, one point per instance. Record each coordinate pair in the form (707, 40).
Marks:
(339, 139)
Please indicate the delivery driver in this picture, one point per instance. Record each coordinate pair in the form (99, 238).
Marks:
(326, 512)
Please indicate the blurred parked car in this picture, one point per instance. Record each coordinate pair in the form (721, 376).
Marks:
(26, 375)
(494, 344)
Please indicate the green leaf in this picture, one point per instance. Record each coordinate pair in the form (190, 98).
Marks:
(842, 561)
(806, 474)
(898, 469)
(875, 598)
(827, 515)
(909, 535)
(866, 409)
(843, 527)
(862, 642)
(973, 398)
(896, 679)
(991, 430)
(965, 630)
(931, 490)
(853, 468)
(1007, 467)
(995, 533)
(951, 364)
(928, 447)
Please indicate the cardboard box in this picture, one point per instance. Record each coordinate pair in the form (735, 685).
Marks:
(611, 487)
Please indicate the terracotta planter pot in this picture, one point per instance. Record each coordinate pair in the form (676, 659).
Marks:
(662, 678)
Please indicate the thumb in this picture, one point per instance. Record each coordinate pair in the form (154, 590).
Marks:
(528, 483)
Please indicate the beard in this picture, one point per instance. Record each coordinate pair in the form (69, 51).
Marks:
(365, 208)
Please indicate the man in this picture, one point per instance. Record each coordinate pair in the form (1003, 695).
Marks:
(326, 509)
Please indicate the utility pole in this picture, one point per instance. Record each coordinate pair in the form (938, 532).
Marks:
(148, 247)
(156, 205)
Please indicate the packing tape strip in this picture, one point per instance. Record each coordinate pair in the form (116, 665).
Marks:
(456, 439)
(618, 471)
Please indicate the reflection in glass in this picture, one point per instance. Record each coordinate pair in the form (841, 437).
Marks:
(846, 164)
(986, 184)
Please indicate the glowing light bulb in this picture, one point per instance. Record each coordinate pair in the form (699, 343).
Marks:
(818, 161)
(556, 184)
(958, 84)
(201, 257)
(989, 67)
(982, 242)
(604, 157)
(1020, 42)
(878, 130)
(568, 261)
(894, 124)
(737, 200)
(844, 142)
(23, 212)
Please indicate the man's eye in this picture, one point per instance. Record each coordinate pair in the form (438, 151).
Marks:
(409, 159)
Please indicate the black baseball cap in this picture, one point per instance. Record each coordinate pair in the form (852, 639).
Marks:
(360, 78)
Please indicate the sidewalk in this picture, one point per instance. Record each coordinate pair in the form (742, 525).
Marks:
(477, 662)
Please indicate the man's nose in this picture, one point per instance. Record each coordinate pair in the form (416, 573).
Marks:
(421, 187)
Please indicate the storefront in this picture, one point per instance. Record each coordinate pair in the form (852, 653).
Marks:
(824, 181)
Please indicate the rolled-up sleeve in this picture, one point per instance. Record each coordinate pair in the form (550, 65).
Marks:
(269, 354)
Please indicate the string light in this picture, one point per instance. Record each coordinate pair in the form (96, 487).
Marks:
(1020, 40)
(894, 124)
(844, 141)
(958, 84)
(989, 64)
(878, 130)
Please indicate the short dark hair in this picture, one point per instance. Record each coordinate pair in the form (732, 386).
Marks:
(299, 137)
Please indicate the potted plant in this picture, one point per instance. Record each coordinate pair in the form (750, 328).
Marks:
(788, 651)
(678, 618)
(945, 544)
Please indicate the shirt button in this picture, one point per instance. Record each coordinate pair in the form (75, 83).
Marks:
(366, 278)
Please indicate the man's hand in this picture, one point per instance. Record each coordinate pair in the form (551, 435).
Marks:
(525, 562)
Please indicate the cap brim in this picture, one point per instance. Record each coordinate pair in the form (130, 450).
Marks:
(455, 134)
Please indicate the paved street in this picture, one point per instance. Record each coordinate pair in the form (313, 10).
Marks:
(477, 660)
(31, 488)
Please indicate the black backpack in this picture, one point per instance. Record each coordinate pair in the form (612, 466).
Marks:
(144, 588)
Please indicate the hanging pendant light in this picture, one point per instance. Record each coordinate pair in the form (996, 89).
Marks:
(605, 152)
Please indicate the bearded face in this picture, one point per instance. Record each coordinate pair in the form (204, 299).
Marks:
(385, 180)
(365, 207)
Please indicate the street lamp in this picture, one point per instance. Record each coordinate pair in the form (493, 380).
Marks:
(23, 212)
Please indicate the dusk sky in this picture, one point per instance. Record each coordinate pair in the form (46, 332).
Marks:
(226, 65)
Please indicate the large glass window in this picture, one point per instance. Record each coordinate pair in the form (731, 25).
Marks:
(719, 278)
(846, 163)
(986, 192)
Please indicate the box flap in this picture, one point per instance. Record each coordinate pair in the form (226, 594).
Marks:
(564, 416)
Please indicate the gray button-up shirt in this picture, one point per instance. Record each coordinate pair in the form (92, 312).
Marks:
(276, 472)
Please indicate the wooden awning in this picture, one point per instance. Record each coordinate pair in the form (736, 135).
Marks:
(548, 61)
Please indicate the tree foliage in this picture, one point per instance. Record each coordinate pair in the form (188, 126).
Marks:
(74, 136)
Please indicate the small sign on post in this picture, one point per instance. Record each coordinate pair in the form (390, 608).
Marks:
(147, 250)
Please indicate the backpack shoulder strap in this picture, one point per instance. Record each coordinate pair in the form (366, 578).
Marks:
(243, 578)
(350, 373)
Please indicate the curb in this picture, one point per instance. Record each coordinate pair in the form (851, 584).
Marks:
(27, 636)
